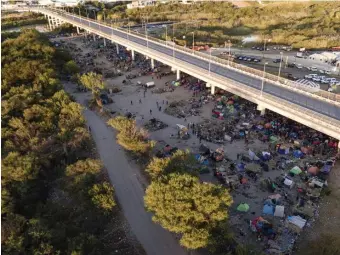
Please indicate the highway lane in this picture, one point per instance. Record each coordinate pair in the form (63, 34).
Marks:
(270, 88)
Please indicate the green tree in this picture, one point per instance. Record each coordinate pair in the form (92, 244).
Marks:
(184, 205)
(71, 67)
(93, 82)
(130, 136)
(102, 196)
(180, 161)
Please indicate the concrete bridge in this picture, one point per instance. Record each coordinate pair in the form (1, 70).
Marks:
(320, 111)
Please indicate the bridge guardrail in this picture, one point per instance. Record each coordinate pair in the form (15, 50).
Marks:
(278, 81)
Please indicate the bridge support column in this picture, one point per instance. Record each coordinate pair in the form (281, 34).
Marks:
(212, 89)
(104, 42)
(78, 32)
(152, 63)
(261, 109)
(117, 48)
(133, 55)
(49, 22)
(178, 74)
(94, 37)
(208, 85)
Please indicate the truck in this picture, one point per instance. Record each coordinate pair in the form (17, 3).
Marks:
(299, 54)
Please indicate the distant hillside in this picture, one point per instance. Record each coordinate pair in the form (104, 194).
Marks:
(301, 24)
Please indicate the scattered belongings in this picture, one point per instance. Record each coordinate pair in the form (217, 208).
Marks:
(155, 124)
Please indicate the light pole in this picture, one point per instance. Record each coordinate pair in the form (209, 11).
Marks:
(185, 41)
(166, 34)
(264, 45)
(193, 42)
(278, 76)
(264, 71)
(210, 61)
(146, 33)
(229, 53)
(173, 49)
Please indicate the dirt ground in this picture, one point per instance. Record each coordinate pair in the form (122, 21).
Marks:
(146, 105)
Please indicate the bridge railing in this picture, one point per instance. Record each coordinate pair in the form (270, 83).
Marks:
(259, 74)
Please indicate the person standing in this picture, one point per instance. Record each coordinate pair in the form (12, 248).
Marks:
(150, 112)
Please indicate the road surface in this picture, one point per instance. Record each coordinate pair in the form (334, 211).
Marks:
(124, 177)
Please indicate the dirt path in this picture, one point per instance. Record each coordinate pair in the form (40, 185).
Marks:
(129, 190)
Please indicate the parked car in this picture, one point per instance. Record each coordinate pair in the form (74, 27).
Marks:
(314, 69)
(298, 66)
(310, 76)
(291, 65)
(257, 60)
(316, 78)
(325, 81)
(277, 60)
(328, 72)
(321, 71)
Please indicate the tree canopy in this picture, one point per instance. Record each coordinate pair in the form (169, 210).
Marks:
(131, 137)
(184, 205)
(55, 199)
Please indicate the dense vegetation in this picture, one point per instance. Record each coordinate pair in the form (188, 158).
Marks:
(310, 25)
(55, 197)
(22, 20)
(180, 202)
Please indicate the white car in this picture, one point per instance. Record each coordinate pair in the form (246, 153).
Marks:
(321, 71)
(310, 76)
(298, 66)
(316, 78)
(328, 72)
(325, 81)
(314, 69)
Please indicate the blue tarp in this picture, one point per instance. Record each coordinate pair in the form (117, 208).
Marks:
(240, 166)
(297, 154)
(268, 209)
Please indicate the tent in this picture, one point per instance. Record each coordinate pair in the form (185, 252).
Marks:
(252, 155)
(279, 211)
(298, 154)
(268, 209)
(288, 182)
(297, 221)
(243, 207)
(313, 170)
(327, 167)
(261, 225)
(295, 170)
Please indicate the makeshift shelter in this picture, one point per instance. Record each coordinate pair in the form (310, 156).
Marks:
(288, 182)
(295, 170)
(327, 167)
(314, 170)
(298, 154)
(252, 155)
(262, 226)
(279, 211)
(268, 209)
(297, 221)
(243, 207)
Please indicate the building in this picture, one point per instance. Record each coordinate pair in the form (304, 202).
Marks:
(141, 4)
(326, 57)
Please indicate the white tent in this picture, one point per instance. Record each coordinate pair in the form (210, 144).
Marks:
(279, 211)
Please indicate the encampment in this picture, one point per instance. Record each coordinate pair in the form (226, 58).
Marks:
(243, 207)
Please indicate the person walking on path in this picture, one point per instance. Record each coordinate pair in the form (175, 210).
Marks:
(90, 129)
(160, 108)
(131, 102)
(150, 112)
(140, 101)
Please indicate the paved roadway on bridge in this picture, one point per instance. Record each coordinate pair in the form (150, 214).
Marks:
(314, 104)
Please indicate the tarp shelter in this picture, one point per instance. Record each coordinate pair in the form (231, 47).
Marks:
(327, 167)
(265, 156)
(243, 207)
(297, 221)
(261, 225)
(313, 170)
(298, 154)
(279, 211)
(295, 170)
(268, 209)
(288, 182)
(252, 155)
